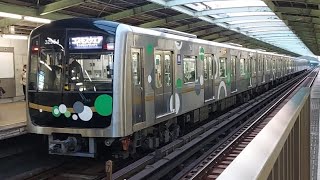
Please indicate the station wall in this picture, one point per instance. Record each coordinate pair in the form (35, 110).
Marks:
(20, 58)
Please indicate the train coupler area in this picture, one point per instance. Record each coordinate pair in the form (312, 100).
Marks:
(72, 146)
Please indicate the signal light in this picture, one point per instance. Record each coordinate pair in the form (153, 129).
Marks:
(108, 46)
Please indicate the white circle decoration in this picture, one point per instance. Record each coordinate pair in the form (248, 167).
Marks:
(222, 85)
(74, 117)
(62, 108)
(177, 103)
(56, 111)
(149, 79)
(178, 44)
(86, 114)
(201, 80)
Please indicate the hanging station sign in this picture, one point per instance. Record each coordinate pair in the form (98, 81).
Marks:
(86, 42)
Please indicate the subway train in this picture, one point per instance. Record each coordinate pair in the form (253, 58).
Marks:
(95, 83)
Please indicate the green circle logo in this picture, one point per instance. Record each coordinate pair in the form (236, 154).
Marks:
(179, 83)
(201, 53)
(55, 111)
(67, 114)
(103, 105)
(149, 49)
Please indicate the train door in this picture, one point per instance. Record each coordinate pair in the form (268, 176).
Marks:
(163, 82)
(263, 68)
(208, 77)
(249, 71)
(233, 74)
(137, 86)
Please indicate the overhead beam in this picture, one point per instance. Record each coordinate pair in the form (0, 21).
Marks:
(298, 11)
(133, 12)
(189, 27)
(26, 11)
(222, 39)
(182, 2)
(59, 5)
(165, 21)
(209, 31)
(211, 36)
(8, 21)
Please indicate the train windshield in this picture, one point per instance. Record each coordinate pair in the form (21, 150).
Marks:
(47, 55)
(89, 72)
(74, 60)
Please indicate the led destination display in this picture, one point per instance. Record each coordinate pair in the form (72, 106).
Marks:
(86, 42)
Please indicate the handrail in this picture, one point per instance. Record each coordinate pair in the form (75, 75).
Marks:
(268, 143)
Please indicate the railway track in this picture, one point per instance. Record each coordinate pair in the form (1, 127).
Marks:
(165, 160)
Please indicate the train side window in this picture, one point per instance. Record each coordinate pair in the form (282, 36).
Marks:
(189, 69)
(253, 60)
(135, 68)
(222, 65)
(33, 66)
(273, 64)
(242, 66)
(167, 70)
(261, 65)
(280, 64)
(158, 71)
(233, 64)
(205, 68)
(211, 73)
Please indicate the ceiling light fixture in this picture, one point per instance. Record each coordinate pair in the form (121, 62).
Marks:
(15, 36)
(10, 15)
(37, 20)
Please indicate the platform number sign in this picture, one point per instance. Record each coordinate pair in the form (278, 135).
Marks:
(201, 53)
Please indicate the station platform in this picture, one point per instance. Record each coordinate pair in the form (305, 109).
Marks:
(314, 129)
(12, 119)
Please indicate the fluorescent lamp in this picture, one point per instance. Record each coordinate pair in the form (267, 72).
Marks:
(9, 15)
(237, 14)
(37, 20)
(233, 3)
(254, 20)
(15, 36)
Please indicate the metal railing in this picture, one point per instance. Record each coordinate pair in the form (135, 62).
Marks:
(281, 150)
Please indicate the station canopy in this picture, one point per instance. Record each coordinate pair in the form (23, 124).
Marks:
(289, 27)
(252, 18)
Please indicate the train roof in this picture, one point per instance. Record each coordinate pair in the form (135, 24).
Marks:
(79, 23)
(139, 30)
(100, 24)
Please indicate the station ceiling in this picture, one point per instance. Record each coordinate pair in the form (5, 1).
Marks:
(301, 16)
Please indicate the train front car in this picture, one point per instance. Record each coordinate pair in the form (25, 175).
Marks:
(70, 84)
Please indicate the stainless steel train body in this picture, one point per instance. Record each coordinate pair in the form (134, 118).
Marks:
(157, 76)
